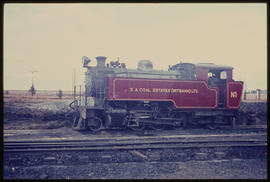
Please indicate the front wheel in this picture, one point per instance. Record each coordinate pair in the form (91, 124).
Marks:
(94, 124)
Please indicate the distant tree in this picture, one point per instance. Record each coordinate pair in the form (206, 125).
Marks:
(60, 93)
(6, 92)
(32, 90)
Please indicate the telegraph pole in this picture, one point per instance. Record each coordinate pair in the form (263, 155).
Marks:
(33, 71)
(32, 88)
(245, 91)
(74, 83)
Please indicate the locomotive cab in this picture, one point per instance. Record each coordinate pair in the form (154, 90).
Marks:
(218, 77)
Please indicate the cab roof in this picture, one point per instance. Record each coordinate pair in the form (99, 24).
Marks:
(212, 66)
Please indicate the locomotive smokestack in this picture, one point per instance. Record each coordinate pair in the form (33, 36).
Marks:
(101, 61)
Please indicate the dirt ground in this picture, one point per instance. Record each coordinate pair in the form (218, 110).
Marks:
(44, 110)
(45, 115)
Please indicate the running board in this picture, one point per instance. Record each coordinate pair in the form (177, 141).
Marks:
(173, 122)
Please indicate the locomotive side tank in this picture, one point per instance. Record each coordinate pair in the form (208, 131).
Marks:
(185, 94)
(182, 93)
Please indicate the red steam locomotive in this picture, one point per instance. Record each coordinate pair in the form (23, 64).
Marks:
(186, 94)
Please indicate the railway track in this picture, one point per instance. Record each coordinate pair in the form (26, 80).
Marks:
(130, 149)
(137, 142)
(261, 126)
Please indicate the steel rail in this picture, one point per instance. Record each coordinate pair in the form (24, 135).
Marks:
(260, 140)
(151, 138)
(48, 144)
(146, 146)
(111, 138)
(125, 141)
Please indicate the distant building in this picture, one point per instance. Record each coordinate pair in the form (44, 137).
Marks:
(255, 95)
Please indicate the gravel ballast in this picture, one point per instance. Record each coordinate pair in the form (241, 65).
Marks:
(215, 169)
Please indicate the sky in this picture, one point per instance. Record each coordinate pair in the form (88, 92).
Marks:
(53, 38)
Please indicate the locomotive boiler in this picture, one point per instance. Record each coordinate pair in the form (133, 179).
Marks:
(186, 94)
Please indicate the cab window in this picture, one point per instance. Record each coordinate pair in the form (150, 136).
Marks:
(223, 75)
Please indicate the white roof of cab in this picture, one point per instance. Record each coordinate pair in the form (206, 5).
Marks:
(213, 66)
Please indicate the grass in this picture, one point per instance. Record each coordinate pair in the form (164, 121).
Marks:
(23, 96)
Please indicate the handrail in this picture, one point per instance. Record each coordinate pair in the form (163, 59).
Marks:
(73, 102)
